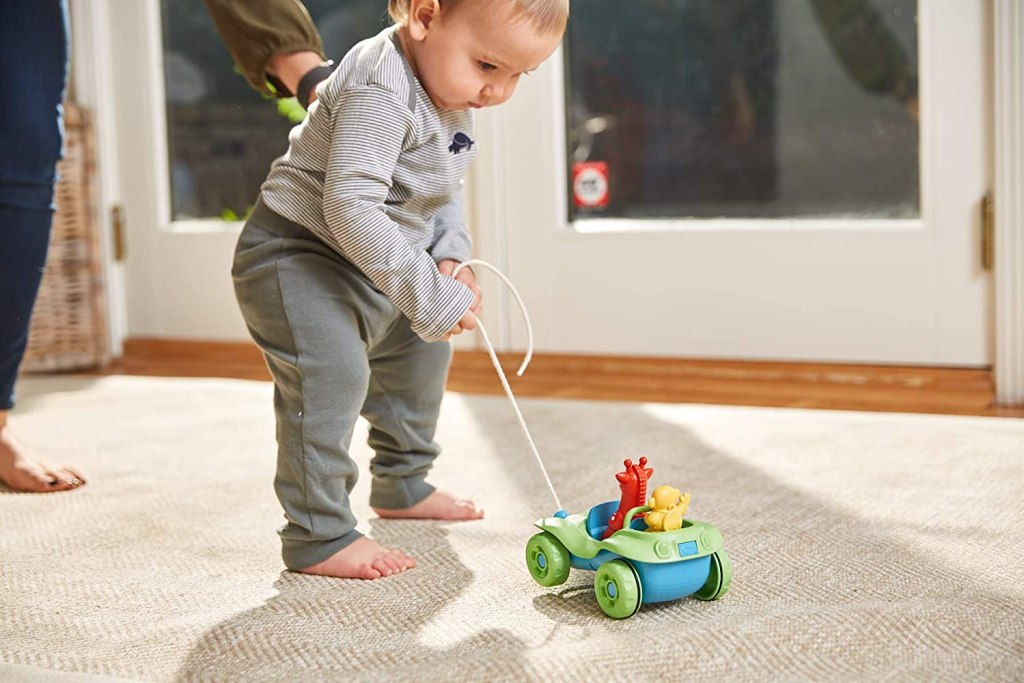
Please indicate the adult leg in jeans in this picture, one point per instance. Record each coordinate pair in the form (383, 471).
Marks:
(33, 72)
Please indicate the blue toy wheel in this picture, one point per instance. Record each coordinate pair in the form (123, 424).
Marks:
(618, 589)
(547, 559)
(719, 578)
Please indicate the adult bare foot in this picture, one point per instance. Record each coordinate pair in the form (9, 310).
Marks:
(438, 505)
(20, 473)
(363, 559)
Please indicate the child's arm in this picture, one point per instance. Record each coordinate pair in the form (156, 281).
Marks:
(451, 239)
(371, 127)
(453, 245)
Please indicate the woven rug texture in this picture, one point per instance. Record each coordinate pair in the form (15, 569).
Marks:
(864, 546)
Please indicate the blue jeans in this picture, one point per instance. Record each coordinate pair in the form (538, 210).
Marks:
(33, 73)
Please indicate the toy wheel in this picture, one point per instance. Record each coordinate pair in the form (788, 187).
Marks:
(719, 578)
(618, 590)
(547, 559)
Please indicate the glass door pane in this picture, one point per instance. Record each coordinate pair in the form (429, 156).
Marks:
(223, 136)
(743, 109)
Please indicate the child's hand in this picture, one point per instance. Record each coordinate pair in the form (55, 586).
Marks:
(468, 322)
(468, 278)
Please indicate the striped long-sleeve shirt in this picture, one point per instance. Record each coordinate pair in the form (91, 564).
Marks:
(375, 170)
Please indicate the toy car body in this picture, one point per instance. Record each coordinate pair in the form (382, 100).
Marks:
(634, 566)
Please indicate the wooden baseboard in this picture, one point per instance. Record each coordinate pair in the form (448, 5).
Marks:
(961, 391)
(183, 358)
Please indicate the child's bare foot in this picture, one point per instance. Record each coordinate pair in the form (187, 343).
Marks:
(363, 559)
(20, 473)
(438, 505)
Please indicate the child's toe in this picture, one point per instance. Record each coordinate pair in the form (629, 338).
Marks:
(397, 558)
(367, 571)
(382, 566)
(404, 561)
(466, 509)
(393, 565)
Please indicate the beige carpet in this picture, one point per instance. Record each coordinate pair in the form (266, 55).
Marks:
(864, 546)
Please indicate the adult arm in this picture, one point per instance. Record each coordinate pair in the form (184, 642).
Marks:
(274, 43)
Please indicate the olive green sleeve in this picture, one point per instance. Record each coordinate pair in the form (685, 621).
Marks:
(256, 30)
(866, 48)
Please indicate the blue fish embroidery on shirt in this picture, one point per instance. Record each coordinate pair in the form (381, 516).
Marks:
(460, 142)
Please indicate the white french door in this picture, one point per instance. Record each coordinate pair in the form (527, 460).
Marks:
(799, 270)
(739, 267)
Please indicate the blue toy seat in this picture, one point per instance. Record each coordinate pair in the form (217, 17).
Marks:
(597, 520)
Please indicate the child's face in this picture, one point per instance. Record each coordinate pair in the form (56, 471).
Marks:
(475, 56)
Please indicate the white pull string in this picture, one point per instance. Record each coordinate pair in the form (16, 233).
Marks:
(522, 368)
(522, 307)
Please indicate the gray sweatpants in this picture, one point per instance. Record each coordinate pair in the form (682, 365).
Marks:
(337, 348)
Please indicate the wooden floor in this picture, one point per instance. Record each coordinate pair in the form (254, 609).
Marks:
(960, 391)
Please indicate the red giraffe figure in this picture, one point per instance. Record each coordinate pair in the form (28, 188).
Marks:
(633, 483)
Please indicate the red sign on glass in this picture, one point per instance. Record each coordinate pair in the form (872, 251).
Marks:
(590, 184)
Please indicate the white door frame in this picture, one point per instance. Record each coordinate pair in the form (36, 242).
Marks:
(1008, 26)
(91, 73)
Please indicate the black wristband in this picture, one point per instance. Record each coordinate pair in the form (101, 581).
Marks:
(311, 80)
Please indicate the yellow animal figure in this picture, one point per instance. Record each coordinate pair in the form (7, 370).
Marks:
(669, 506)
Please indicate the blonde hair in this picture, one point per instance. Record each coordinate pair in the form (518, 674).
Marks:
(547, 16)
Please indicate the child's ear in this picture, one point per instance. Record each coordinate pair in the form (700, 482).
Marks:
(422, 14)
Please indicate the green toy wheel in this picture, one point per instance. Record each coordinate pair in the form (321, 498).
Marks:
(719, 578)
(618, 589)
(547, 559)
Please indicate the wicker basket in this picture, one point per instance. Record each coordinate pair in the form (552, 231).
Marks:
(69, 330)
